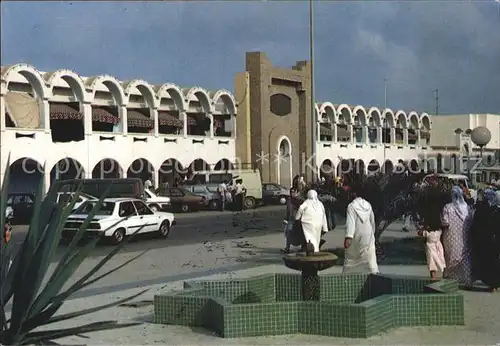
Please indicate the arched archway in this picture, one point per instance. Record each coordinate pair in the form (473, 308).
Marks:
(345, 169)
(198, 111)
(142, 169)
(67, 168)
(224, 113)
(388, 166)
(284, 161)
(25, 174)
(198, 170)
(171, 173)
(223, 165)
(414, 167)
(327, 170)
(359, 170)
(108, 96)
(373, 167)
(107, 168)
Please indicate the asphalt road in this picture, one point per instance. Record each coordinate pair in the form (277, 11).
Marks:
(193, 228)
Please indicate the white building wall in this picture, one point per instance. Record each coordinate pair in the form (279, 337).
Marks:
(124, 147)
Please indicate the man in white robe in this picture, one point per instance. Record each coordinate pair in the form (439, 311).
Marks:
(359, 243)
(312, 216)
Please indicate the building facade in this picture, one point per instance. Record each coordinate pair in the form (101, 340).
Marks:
(62, 125)
(455, 152)
(274, 129)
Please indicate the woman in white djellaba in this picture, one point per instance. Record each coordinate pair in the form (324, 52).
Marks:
(311, 214)
(359, 243)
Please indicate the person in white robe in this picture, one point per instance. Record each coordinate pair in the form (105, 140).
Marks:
(359, 243)
(312, 216)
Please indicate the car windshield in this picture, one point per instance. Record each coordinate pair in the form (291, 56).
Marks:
(187, 192)
(107, 208)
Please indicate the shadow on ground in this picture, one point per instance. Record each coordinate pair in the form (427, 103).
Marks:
(396, 251)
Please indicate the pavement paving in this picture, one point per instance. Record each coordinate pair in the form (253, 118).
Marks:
(207, 246)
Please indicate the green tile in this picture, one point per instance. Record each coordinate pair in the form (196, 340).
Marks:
(352, 306)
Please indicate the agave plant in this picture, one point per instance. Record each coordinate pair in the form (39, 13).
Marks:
(35, 304)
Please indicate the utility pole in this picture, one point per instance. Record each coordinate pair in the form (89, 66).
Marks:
(385, 93)
(313, 104)
(437, 101)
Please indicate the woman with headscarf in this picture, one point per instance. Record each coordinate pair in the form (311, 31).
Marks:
(456, 223)
(485, 235)
(312, 216)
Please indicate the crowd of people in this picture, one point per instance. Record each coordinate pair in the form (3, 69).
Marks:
(462, 237)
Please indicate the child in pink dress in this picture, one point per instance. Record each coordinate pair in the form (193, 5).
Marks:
(434, 251)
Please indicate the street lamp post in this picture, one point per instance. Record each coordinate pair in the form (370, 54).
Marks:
(311, 58)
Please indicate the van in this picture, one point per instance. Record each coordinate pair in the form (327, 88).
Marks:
(253, 184)
(127, 187)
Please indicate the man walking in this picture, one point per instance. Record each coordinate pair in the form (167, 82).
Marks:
(359, 243)
(222, 189)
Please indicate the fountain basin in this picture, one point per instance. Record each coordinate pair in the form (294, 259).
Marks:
(353, 306)
(317, 261)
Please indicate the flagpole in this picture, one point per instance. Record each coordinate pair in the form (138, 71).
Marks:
(313, 103)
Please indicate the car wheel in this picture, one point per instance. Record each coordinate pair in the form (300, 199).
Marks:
(154, 207)
(213, 205)
(249, 203)
(164, 230)
(118, 236)
(185, 208)
(283, 200)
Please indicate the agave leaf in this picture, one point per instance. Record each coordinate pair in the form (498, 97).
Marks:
(46, 316)
(80, 283)
(38, 267)
(36, 337)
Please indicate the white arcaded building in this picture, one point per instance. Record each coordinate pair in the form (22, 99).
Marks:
(371, 138)
(62, 125)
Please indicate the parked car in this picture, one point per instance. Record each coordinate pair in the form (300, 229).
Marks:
(22, 206)
(182, 199)
(209, 191)
(65, 198)
(156, 202)
(274, 193)
(119, 217)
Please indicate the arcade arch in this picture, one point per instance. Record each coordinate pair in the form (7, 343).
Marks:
(24, 98)
(107, 168)
(67, 168)
(198, 111)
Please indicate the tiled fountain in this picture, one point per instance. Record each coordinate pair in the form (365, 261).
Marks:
(355, 306)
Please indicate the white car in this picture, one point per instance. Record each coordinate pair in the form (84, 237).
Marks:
(119, 217)
(66, 197)
(156, 202)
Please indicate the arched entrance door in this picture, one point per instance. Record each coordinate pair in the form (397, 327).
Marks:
(284, 162)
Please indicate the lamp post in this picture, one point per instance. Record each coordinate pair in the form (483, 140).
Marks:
(311, 58)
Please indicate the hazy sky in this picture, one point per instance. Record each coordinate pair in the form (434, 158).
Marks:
(418, 45)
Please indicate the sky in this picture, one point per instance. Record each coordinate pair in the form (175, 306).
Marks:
(418, 46)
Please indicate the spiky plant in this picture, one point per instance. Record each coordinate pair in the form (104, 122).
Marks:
(35, 304)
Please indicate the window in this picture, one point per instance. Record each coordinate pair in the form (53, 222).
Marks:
(107, 208)
(272, 188)
(142, 208)
(176, 193)
(127, 209)
(198, 189)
